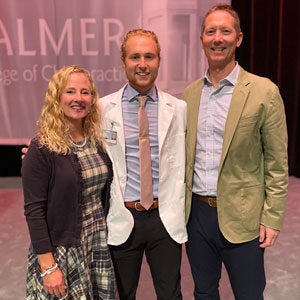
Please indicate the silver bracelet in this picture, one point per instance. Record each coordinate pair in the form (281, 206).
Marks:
(49, 270)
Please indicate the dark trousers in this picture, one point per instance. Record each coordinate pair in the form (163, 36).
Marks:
(163, 255)
(207, 249)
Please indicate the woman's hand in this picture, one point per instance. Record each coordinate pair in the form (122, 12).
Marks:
(54, 283)
(53, 280)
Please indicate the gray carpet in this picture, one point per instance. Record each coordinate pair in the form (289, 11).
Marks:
(282, 262)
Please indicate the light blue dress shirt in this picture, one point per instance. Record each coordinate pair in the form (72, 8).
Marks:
(131, 130)
(213, 111)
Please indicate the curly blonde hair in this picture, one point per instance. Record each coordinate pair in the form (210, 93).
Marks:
(54, 131)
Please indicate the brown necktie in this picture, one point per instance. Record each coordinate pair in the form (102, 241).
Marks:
(146, 187)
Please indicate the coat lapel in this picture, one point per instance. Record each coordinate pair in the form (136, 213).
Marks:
(165, 116)
(113, 120)
(193, 112)
(239, 98)
(113, 117)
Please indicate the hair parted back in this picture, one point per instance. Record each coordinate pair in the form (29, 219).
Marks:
(139, 32)
(227, 8)
(54, 131)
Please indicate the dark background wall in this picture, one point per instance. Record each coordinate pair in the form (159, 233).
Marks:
(270, 48)
(10, 160)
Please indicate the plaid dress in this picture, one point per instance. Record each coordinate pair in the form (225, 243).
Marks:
(88, 269)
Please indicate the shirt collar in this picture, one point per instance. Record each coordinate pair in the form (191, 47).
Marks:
(230, 79)
(130, 93)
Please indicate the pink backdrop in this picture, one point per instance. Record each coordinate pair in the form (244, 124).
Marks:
(38, 37)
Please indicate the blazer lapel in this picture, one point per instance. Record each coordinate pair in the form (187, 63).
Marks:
(165, 115)
(239, 98)
(113, 117)
(193, 102)
(193, 112)
(113, 120)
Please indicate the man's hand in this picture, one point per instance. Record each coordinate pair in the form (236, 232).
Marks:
(25, 149)
(267, 236)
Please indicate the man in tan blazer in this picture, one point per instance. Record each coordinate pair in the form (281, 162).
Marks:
(236, 173)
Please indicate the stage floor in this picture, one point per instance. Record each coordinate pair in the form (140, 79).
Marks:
(282, 260)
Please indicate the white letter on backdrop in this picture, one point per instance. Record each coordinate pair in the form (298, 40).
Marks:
(5, 39)
(117, 38)
(67, 31)
(21, 39)
(85, 36)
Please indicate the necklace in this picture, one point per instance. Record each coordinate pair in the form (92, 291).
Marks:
(80, 144)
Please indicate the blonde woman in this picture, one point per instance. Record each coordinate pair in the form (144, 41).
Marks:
(66, 178)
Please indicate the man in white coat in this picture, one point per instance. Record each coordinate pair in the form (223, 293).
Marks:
(160, 231)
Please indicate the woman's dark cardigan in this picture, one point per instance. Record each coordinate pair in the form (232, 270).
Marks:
(52, 186)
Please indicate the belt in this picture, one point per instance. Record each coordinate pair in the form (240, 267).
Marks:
(138, 206)
(210, 200)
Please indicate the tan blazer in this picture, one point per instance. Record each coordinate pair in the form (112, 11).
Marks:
(253, 171)
(171, 189)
